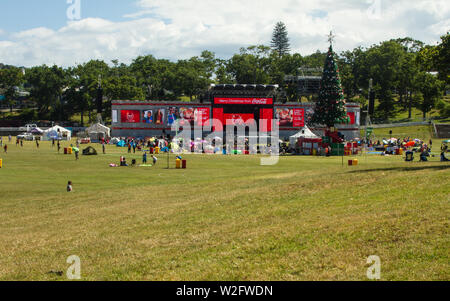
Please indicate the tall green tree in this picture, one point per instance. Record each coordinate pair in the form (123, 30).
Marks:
(10, 79)
(330, 107)
(430, 89)
(251, 65)
(47, 85)
(441, 59)
(280, 40)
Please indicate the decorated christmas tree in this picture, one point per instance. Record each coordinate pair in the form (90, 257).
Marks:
(330, 107)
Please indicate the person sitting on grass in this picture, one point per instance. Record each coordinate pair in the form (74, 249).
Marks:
(123, 161)
(423, 156)
(69, 186)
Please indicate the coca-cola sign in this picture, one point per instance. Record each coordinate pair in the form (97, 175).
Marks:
(243, 101)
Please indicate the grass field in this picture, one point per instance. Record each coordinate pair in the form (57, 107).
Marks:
(223, 218)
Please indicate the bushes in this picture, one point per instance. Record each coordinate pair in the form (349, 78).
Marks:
(444, 108)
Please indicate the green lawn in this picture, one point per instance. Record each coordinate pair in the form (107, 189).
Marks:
(223, 218)
(424, 132)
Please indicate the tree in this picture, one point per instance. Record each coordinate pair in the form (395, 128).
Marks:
(122, 88)
(47, 84)
(156, 76)
(330, 107)
(442, 59)
(10, 79)
(251, 65)
(280, 40)
(430, 89)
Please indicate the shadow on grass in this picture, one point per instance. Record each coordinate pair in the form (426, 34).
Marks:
(441, 166)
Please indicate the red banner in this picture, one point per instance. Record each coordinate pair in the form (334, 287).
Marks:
(218, 114)
(299, 118)
(237, 119)
(204, 112)
(266, 115)
(128, 116)
(351, 115)
(243, 101)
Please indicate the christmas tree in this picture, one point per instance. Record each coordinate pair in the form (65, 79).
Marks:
(330, 107)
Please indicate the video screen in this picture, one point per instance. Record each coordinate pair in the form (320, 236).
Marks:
(130, 116)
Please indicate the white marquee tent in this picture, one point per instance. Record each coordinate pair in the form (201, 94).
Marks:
(57, 132)
(98, 128)
(305, 132)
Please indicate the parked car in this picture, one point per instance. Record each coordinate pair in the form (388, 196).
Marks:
(26, 136)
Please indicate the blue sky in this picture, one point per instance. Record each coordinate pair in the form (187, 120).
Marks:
(34, 32)
(26, 14)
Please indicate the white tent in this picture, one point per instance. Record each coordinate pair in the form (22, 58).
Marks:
(305, 132)
(57, 132)
(98, 130)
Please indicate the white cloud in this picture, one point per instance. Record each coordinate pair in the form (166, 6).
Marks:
(182, 28)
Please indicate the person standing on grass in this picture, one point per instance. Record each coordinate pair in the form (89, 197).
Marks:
(144, 158)
(21, 142)
(17, 142)
(37, 143)
(154, 160)
(9, 138)
(129, 147)
(134, 147)
(6, 148)
(104, 148)
(1, 141)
